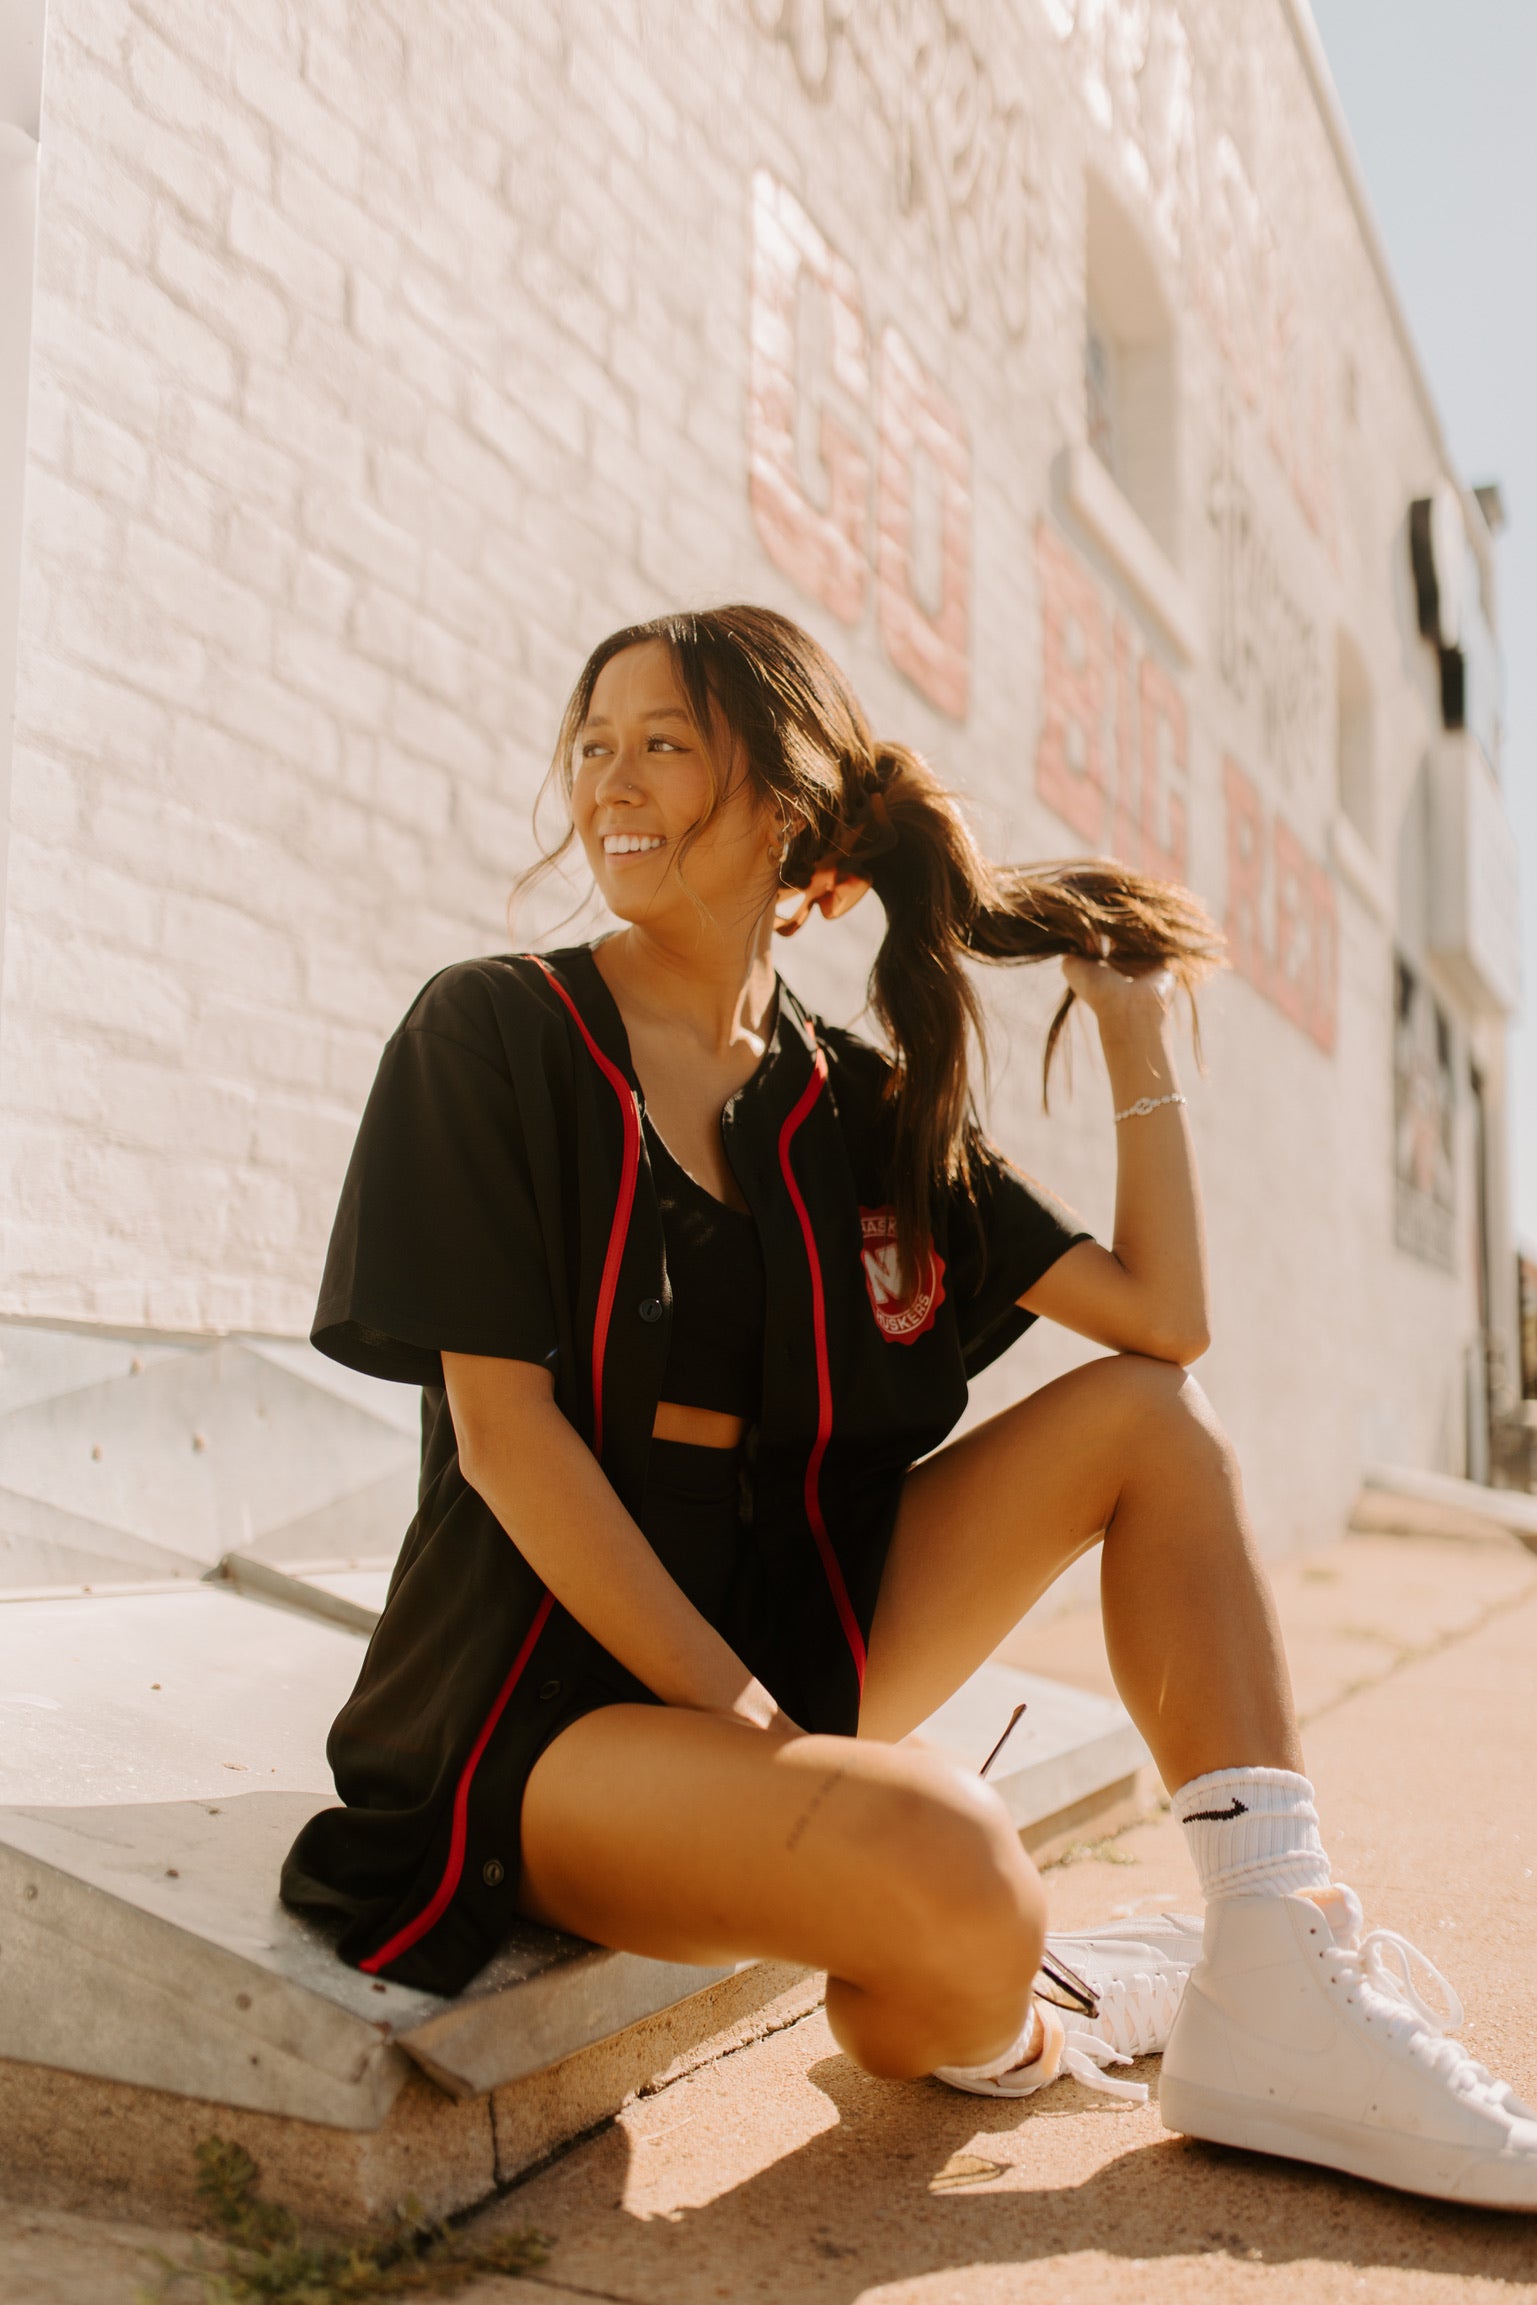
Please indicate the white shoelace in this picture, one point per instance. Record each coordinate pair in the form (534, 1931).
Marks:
(1137, 2012)
(1085, 2056)
(1391, 1977)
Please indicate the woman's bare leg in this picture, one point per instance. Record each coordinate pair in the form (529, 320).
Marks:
(691, 1837)
(1129, 1447)
(688, 1836)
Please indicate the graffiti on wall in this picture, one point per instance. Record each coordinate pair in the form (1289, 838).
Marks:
(961, 155)
(1267, 645)
(1281, 918)
(1144, 87)
(1139, 87)
(1112, 757)
(858, 466)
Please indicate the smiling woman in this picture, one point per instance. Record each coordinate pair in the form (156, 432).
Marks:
(694, 1284)
(779, 784)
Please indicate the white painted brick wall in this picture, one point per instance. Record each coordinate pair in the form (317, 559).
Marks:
(383, 359)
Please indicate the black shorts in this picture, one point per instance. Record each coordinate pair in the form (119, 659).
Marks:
(697, 1518)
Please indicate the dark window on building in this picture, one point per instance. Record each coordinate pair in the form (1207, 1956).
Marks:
(1355, 769)
(1424, 1117)
(1526, 1273)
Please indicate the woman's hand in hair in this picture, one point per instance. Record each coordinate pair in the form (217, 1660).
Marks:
(1147, 1293)
(1122, 997)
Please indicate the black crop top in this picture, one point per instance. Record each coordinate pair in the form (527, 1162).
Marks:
(715, 1265)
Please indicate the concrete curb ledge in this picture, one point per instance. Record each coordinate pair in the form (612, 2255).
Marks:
(1397, 1500)
(162, 1746)
(77, 2141)
(153, 1991)
(144, 1944)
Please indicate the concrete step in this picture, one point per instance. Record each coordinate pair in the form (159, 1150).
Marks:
(162, 1749)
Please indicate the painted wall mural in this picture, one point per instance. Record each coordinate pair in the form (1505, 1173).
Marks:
(860, 479)
(961, 153)
(858, 465)
(1146, 88)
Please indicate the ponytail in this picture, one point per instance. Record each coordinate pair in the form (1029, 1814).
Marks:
(945, 904)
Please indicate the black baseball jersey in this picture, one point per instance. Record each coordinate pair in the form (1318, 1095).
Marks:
(500, 1201)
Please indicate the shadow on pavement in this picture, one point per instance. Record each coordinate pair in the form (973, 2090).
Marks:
(857, 2207)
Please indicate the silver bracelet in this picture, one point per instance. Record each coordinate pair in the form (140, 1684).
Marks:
(1147, 1104)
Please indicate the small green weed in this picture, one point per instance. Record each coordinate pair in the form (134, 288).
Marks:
(265, 2262)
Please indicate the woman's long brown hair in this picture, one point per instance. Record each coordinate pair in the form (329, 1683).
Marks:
(879, 811)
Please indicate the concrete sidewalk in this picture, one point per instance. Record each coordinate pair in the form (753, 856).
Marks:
(781, 2174)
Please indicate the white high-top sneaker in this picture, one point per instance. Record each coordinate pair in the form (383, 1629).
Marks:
(1301, 2036)
(1136, 1970)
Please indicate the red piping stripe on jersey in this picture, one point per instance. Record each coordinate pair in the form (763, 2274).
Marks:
(620, 1228)
(831, 1570)
(442, 1896)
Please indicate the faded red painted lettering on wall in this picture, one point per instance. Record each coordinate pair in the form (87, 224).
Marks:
(1113, 756)
(822, 427)
(1282, 921)
(821, 546)
(930, 643)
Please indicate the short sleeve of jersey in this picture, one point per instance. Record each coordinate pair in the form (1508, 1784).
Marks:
(437, 1245)
(997, 1253)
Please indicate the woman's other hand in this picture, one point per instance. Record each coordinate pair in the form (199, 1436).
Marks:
(537, 1474)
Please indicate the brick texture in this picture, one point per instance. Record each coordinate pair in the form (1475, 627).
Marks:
(385, 357)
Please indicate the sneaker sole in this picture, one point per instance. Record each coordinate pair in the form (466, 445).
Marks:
(1458, 2173)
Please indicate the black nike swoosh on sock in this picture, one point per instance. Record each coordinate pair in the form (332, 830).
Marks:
(1216, 1816)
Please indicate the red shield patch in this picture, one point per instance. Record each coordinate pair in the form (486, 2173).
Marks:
(902, 1310)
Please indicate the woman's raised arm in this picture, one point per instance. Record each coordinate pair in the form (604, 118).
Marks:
(517, 1450)
(1148, 1293)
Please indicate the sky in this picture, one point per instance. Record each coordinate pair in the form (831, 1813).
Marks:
(1439, 98)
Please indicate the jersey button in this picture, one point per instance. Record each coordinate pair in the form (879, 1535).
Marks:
(650, 1308)
(493, 1873)
(548, 1691)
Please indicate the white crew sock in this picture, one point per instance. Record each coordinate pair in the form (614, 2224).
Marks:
(1252, 1833)
(1043, 2033)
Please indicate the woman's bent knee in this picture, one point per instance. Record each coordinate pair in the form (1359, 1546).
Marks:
(961, 1893)
(1165, 1408)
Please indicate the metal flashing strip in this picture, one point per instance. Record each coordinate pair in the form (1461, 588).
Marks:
(1400, 1500)
(260, 1581)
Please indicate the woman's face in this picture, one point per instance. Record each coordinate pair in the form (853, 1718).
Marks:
(642, 782)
